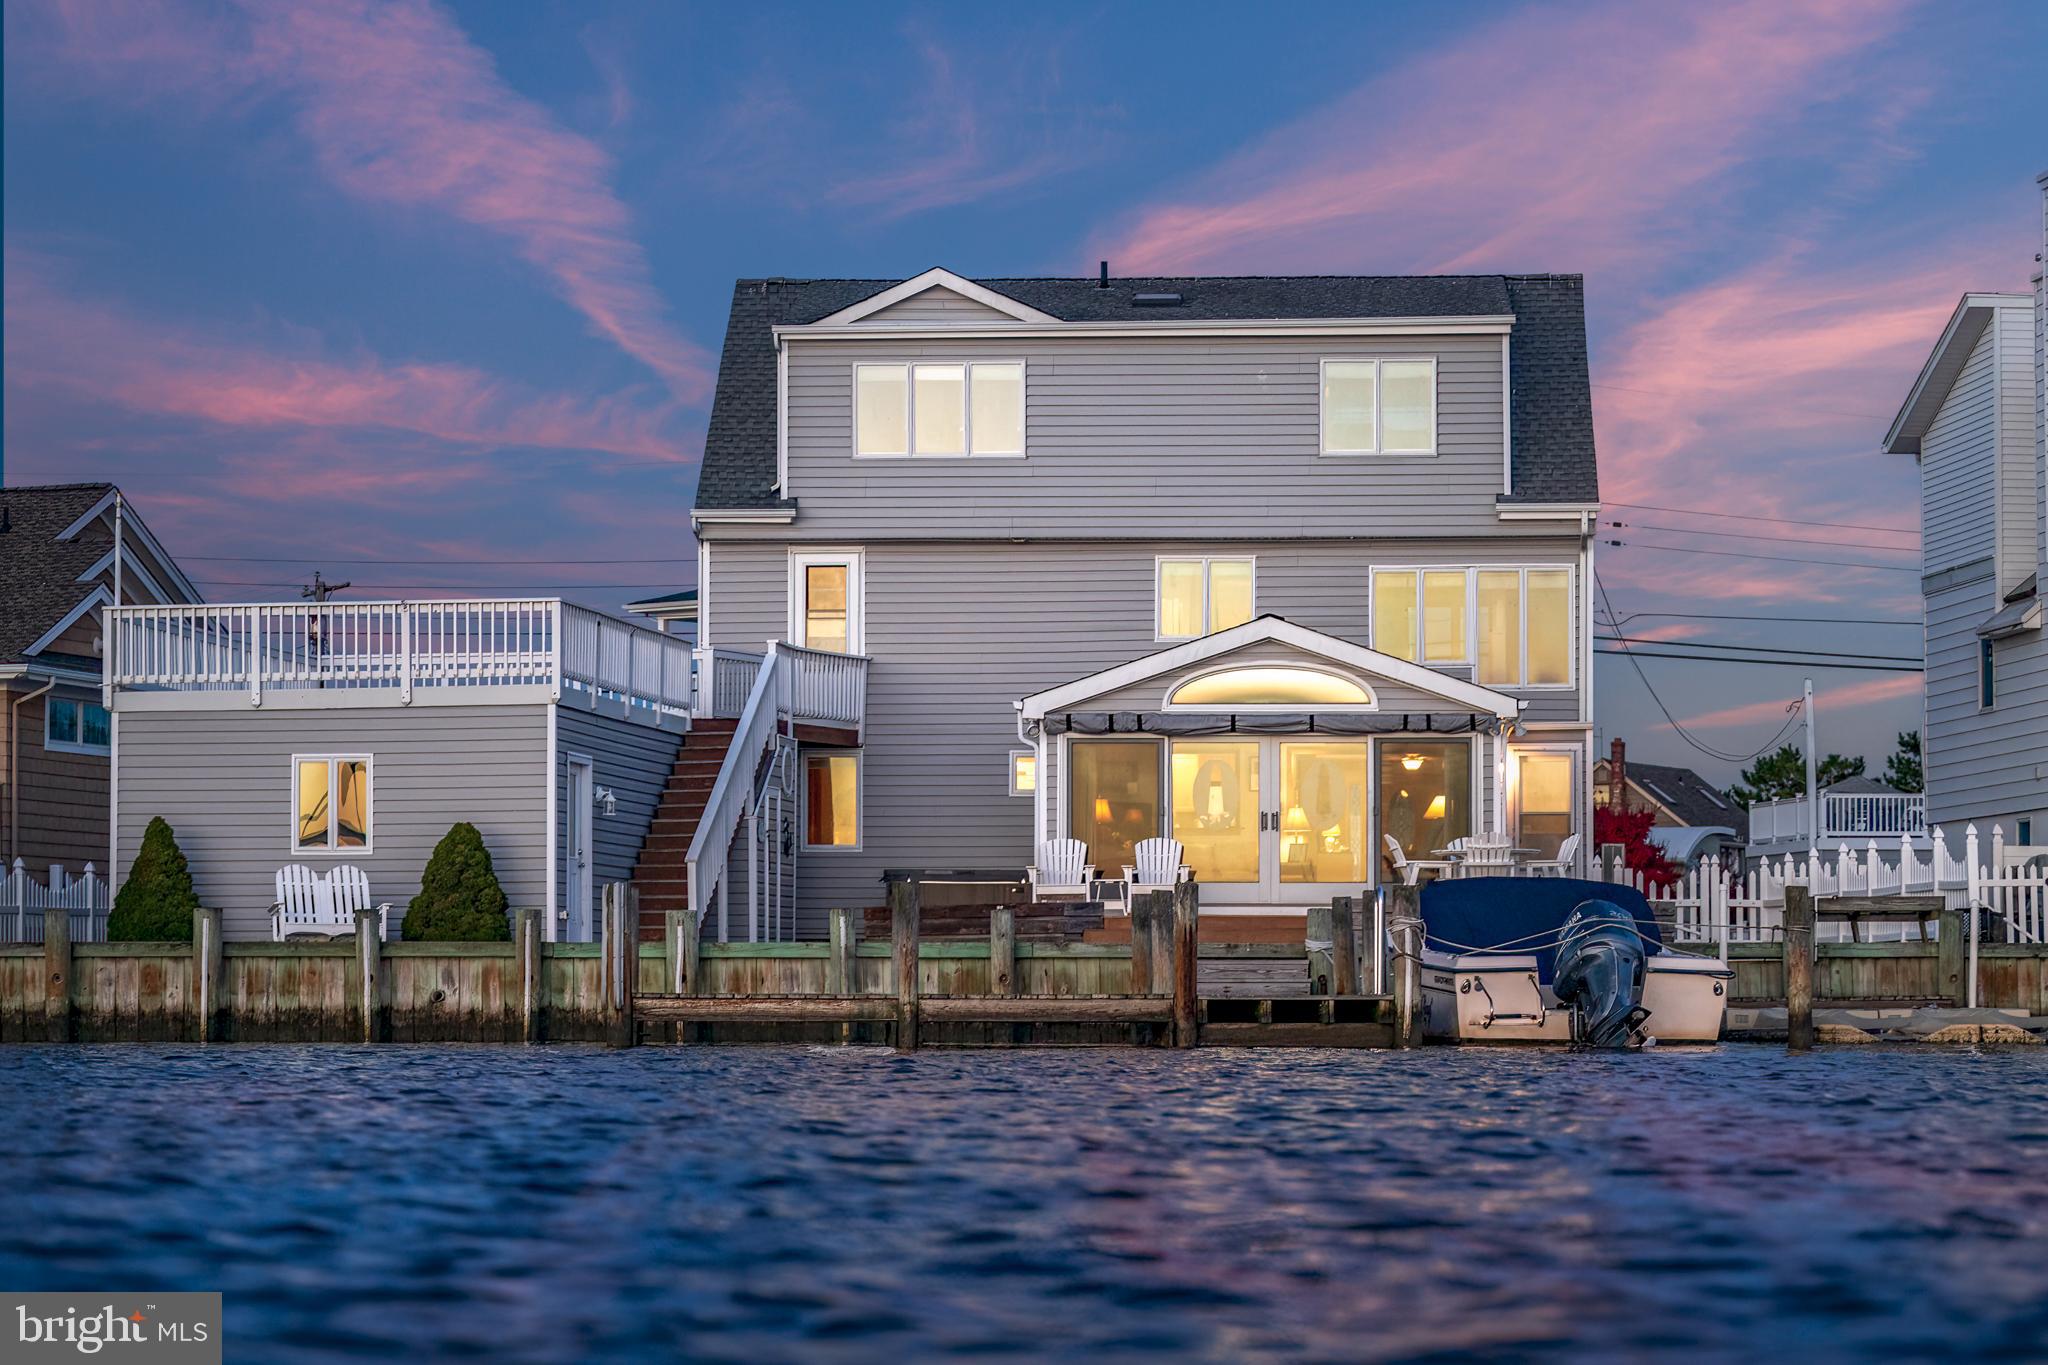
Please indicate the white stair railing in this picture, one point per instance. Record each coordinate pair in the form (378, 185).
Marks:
(754, 740)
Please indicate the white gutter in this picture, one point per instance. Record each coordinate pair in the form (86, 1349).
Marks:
(1196, 327)
(14, 769)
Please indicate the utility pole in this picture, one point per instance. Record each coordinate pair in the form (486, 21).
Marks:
(318, 592)
(1812, 787)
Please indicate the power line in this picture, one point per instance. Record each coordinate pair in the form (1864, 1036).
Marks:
(1776, 559)
(1782, 663)
(1727, 616)
(1763, 535)
(1751, 516)
(436, 587)
(1676, 728)
(1758, 649)
(343, 559)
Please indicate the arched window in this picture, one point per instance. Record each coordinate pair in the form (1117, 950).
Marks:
(1250, 687)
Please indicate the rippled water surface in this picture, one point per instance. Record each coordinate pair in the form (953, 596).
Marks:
(768, 1204)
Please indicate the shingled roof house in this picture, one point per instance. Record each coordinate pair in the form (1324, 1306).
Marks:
(1279, 567)
(56, 577)
(1694, 819)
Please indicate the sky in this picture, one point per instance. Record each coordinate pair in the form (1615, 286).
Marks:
(429, 296)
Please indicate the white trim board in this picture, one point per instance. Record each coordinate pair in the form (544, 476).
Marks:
(100, 596)
(938, 277)
(131, 524)
(1331, 327)
(1471, 696)
(134, 566)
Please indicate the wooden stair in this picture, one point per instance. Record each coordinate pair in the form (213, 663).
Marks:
(662, 872)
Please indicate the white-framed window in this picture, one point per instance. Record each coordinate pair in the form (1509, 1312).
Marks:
(1987, 675)
(75, 726)
(939, 408)
(827, 600)
(1379, 406)
(1511, 624)
(331, 810)
(1545, 797)
(832, 802)
(1023, 772)
(1197, 595)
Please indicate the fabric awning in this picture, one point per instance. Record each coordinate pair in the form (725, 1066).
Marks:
(1194, 723)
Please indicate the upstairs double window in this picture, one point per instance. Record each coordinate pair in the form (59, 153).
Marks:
(1379, 407)
(1512, 626)
(939, 408)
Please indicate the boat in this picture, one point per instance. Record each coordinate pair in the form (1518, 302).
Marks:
(1559, 960)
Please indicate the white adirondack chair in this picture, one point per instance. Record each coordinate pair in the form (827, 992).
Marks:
(1062, 869)
(1157, 866)
(1410, 870)
(310, 905)
(1560, 866)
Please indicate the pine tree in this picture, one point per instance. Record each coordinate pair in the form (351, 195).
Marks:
(460, 900)
(157, 900)
(1781, 775)
(1902, 770)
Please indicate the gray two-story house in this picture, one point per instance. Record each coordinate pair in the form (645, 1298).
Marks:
(1974, 422)
(1279, 567)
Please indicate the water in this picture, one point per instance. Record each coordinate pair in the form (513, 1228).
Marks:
(768, 1204)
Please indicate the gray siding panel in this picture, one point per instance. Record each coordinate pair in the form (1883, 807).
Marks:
(1983, 763)
(2018, 512)
(941, 305)
(1224, 431)
(959, 632)
(631, 760)
(223, 780)
(1956, 461)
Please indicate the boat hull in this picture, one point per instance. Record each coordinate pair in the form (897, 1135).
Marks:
(1496, 998)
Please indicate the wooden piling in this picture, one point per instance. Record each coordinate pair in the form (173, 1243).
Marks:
(1344, 946)
(621, 963)
(372, 1025)
(1002, 951)
(1144, 909)
(1321, 941)
(1951, 955)
(680, 936)
(57, 970)
(1162, 942)
(209, 981)
(1798, 968)
(842, 966)
(903, 914)
(1404, 921)
(526, 940)
(1612, 862)
(1187, 940)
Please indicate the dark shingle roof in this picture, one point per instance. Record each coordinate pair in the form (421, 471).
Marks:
(38, 572)
(1690, 797)
(1553, 409)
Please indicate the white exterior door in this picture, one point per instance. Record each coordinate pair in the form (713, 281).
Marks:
(576, 918)
(1273, 821)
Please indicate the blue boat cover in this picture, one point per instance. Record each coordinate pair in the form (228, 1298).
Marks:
(1513, 913)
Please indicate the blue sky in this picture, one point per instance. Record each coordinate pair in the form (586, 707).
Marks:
(335, 283)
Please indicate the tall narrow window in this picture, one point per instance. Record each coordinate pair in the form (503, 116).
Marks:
(1425, 794)
(1408, 406)
(1393, 614)
(1202, 596)
(938, 409)
(1112, 798)
(1443, 617)
(1544, 801)
(1550, 627)
(825, 602)
(831, 801)
(998, 415)
(881, 408)
(1349, 393)
(1987, 675)
(940, 396)
(330, 804)
(1500, 627)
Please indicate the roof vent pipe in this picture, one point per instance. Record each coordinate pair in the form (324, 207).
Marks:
(1105, 276)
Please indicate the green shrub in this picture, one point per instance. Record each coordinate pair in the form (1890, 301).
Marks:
(157, 900)
(460, 900)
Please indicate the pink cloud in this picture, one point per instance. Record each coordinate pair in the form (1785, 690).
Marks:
(1598, 135)
(1830, 700)
(88, 349)
(401, 108)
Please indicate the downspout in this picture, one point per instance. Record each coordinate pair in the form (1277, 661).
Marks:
(14, 769)
(1037, 744)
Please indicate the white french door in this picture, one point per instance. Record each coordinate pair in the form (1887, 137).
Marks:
(1273, 820)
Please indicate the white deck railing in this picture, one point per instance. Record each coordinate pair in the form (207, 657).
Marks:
(1844, 815)
(24, 902)
(397, 647)
(826, 687)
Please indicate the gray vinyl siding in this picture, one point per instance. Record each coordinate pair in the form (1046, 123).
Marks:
(959, 632)
(1982, 764)
(1218, 437)
(223, 780)
(938, 305)
(1956, 467)
(2018, 461)
(633, 762)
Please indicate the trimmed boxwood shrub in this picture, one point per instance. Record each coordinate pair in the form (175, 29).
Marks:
(460, 900)
(157, 900)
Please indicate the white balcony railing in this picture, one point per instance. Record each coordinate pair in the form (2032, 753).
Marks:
(398, 648)
(1844, 815)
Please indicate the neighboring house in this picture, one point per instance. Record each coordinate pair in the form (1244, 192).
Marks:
(1857, 811)
(275, 734)
(674, 613)
(1274, 566)
(1694, 819)
(57, 575)
(1973, 420)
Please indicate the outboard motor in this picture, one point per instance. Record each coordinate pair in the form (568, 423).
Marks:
(1601, 967)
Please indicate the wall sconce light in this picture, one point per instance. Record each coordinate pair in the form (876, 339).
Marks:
(607, 801)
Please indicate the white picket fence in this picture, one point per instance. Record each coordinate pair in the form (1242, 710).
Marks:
(1714, 906)
(24, 901)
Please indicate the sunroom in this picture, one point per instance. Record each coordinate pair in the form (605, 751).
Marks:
(1281, 758)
